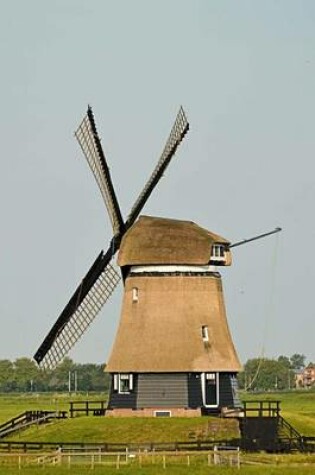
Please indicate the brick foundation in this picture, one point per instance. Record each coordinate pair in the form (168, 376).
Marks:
(150, 412)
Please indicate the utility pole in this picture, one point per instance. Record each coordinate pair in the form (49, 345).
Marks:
(75, 381)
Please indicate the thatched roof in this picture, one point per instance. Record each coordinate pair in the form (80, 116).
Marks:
(153, 240)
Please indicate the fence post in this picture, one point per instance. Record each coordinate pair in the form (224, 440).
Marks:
(188, 460)
(59, 456)
(92, 461)
(118, 462)
(164, 462)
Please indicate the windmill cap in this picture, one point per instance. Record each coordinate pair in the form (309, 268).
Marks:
(154, 240)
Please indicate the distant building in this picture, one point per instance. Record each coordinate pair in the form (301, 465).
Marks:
(309, 375)
(305, 378)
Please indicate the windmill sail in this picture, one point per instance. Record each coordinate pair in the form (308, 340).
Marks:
(101, 280)
(178, 132)
(92, 293)
(90, 143)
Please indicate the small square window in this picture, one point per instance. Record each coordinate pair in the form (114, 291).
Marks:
(123, 383)
(210, 377)
(162, 413)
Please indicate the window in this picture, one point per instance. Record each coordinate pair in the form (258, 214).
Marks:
(204, 333)
(162, 413)
(210, 389)
(135, 293)
(218, 252)
(210, 377)
(123, 383)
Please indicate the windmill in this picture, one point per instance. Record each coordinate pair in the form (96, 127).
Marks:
(173, 353)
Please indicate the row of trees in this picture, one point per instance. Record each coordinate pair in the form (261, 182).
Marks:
(266, 374)
(23, 375)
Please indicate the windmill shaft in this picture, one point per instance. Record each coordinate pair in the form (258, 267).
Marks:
(255, 238)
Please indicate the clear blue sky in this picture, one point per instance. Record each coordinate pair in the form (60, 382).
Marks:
(244, 72)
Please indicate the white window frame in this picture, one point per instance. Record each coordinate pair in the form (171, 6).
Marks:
(218, 252)
(204, 377)
(119, 385)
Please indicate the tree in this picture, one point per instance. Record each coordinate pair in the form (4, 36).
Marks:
(266, 374)
(91, 377)
(297, 361)
(285, 361)
(25, 372)
(24, 375)
(59, 377)
(7, 382)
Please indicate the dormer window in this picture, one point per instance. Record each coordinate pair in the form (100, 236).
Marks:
(218, 253)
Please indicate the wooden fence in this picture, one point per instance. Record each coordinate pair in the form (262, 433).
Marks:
(219, 456)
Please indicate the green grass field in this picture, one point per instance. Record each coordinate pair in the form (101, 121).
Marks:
(175, 467)
(297, 407)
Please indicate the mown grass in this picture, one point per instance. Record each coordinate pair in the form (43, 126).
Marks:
(171, 469)
(130, 430)
(297, 407)
(196, 463)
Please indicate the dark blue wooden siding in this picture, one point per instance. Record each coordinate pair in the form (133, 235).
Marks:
(162, 390)
(173, 390)
(228, 390)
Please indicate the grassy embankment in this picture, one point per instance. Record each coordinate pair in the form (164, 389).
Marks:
(99, 429)
(297, 407)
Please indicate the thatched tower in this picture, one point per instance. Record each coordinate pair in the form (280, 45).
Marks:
(173, 352)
